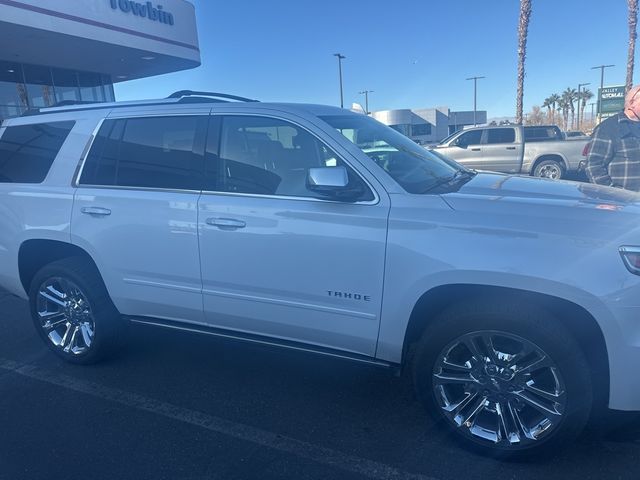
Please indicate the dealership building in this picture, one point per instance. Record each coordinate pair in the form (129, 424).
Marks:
(53, 51)
(429, 125)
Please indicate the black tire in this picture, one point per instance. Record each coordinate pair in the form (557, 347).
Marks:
(530, 323)
(108, 326)
(553, 169)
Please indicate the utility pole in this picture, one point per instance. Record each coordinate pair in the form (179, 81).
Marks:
(366, 100)
(601, 67)
(592, 104)
(340, 58)
(475, 96)
(580, 85)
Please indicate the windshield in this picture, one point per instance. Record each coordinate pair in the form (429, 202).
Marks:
(416, 169)
(442, 142)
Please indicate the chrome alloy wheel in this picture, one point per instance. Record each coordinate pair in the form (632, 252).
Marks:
(499, 388)
(65, 315)
(550, 171)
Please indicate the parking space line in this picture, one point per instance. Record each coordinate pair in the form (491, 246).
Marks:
(309, 451)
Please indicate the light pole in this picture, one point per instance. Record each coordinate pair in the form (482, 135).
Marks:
(340, 58)
(592, 104)
(580, 85)
(475, 96)
(601, 67)
(366, 100)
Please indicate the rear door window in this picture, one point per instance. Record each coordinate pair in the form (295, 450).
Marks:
(28, 151)
(156, 152)
(501, 135)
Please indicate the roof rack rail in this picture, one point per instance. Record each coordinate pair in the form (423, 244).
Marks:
(70, 103)
(191, 93)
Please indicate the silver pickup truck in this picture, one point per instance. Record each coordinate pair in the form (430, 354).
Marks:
(540, 150)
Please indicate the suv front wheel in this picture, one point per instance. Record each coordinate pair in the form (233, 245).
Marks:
(506, 379)
(73, 313)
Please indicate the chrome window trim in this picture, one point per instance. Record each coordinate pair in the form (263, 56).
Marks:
(140, 189)
(75, 182)
(83, 159)
(375, 201)
(376, 197)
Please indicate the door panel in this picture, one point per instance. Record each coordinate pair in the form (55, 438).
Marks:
(467, 149)
(146, 249)
(299, 270)
(277, 261)
(135, 211)
(500, 152)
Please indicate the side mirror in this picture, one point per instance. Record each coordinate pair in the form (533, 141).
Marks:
(332, 182)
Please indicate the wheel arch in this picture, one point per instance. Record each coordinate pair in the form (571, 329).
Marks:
(36, 253)
(578, 321)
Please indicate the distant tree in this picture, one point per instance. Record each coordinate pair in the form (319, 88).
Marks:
(554, 98)
(547, 104)
(633, 22)
(569, 95)
(523, 30)
(585, 96)
(563, 106)
(536, 116)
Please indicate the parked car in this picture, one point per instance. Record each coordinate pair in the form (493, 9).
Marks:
(513, 302)
(541, 151)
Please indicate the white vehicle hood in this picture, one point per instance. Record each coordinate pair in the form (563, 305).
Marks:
(544, 205)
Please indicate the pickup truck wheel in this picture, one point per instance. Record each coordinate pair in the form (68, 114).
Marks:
(549, 169)
(73, 313)
(506, 380)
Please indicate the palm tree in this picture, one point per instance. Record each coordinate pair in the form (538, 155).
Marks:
(547, 104)
(555, 98)
(569, 95)
(633, 21)
(585, 96)
(523, 30)
(563, 105)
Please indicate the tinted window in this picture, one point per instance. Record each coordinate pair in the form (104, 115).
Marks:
(474, 137)
(158, 152)
(539, 134)
(269, 156)
(421, 129)
(501, 135)
(28, 151)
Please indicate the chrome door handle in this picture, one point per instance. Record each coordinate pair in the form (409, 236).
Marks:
(96, 211)
(226, 223)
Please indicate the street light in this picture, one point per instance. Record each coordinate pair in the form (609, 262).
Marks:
(475, 96)
(340, 58)
(366, 100)
(580, 85)
(601, 67)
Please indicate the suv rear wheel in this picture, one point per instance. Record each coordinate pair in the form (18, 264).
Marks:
(505, 379)
(73, 313)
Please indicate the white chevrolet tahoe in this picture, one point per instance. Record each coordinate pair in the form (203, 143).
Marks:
(514, 301)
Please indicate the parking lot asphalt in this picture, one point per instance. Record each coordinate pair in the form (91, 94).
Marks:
(180, 406)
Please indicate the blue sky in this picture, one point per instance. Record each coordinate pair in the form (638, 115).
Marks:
(412, 53)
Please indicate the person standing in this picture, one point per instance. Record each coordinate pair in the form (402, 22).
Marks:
(614, 154)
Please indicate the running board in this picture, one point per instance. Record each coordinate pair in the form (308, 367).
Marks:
(257, 339)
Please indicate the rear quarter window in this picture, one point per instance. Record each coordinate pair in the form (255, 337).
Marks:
(28, 151)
